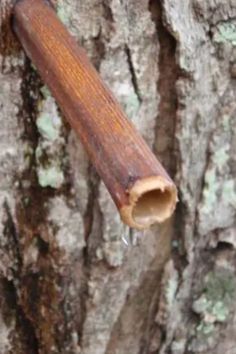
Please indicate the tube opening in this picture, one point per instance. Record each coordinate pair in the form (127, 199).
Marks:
(151, 200)
(153, 206)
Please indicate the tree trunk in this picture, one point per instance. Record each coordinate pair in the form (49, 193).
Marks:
(73, 278)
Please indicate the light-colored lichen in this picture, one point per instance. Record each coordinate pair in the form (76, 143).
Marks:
(170, 282)
(214, 307)
(69, 226)
(226, 122)
(45, 91)
(49, 126)
(113, 253)
(221, 156)
(131, 105)
(226, 32)
(63, 12)
(205, 328)
(171, 289)
(48, 153)
(220, 285)
(215, 302)
(217, 207)
(210, 190)
(229, 192)
(178, 346)
(51, 176)
(211, 311)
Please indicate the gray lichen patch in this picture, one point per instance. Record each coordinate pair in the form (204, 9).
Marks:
(49, 126)
(210, 190)
(49, 121)
(45, 91)
(212, 312)
(214, 306)
(112, 252)
(170, 282)
(226, 32)
(229, 191)
(51, 176)
(63, 12)
(69, 226)
(124, 89)
(217, 298)
(171, 289)
(81, 18)
(49, 151)
(133, 105)
(68, 14)
(221, 156)
(12, 160)
(218, 204)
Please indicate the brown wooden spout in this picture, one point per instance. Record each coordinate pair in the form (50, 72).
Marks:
(138, 184)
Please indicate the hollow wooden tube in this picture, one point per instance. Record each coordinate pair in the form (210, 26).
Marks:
(138, 184)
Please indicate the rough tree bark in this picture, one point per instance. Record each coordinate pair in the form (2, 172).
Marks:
(73, 278)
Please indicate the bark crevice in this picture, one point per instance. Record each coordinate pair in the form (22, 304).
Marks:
(168, 75)
(133, 74)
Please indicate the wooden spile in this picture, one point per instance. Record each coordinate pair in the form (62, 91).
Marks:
(140, 187)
